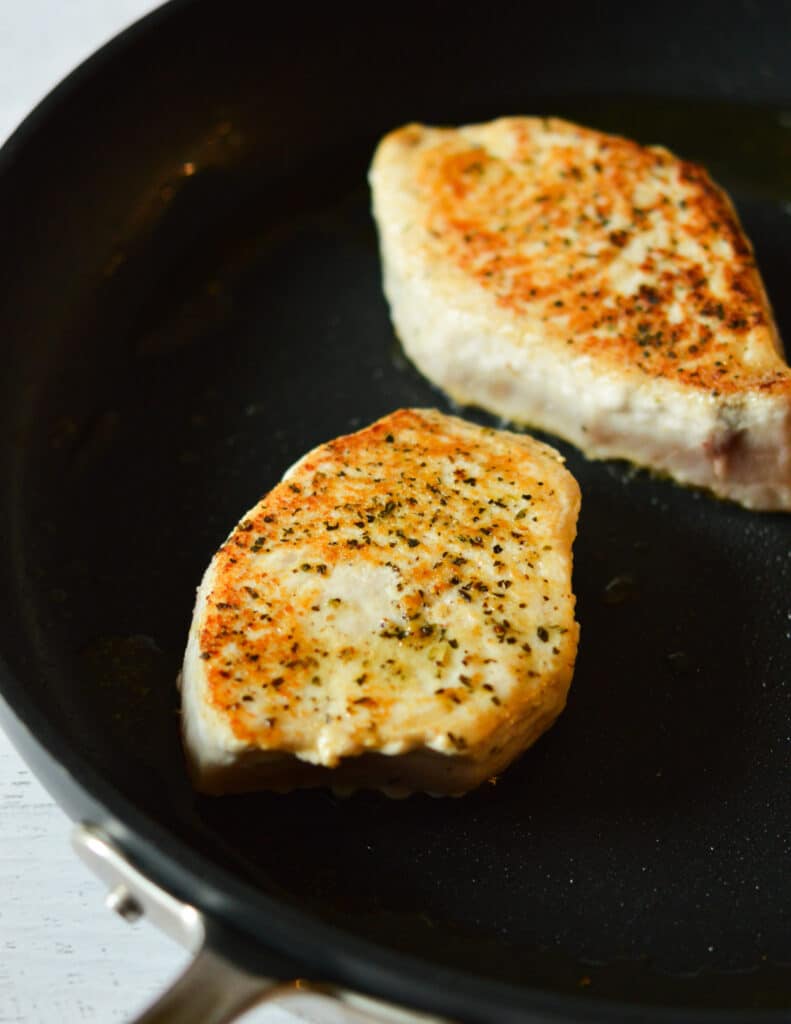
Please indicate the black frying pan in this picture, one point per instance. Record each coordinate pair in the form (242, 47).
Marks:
(190, 299)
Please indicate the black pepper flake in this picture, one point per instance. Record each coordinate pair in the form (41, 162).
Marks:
(394, 633)
(412, 542)
(389, 438)
(542, 634)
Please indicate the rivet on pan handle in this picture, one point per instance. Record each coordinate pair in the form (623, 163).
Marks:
(214, 990)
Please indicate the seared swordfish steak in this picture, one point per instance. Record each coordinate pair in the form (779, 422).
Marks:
(601, 290)
(397, 613)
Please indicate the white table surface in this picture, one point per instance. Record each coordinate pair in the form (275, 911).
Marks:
(64, 958)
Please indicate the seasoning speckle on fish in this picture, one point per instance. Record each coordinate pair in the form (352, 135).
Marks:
(397, 613)
(602, 290)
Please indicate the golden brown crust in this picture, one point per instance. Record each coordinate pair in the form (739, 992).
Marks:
(618, 249)
(441, 509)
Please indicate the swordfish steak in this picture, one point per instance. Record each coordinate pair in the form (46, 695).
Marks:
(601, 290)
(397, 613)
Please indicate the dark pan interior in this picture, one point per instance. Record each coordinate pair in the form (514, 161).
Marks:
(192, 300)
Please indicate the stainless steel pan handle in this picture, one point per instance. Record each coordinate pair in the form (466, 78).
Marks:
(213, 989)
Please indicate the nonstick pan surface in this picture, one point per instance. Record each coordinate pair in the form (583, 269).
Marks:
(191, 300)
